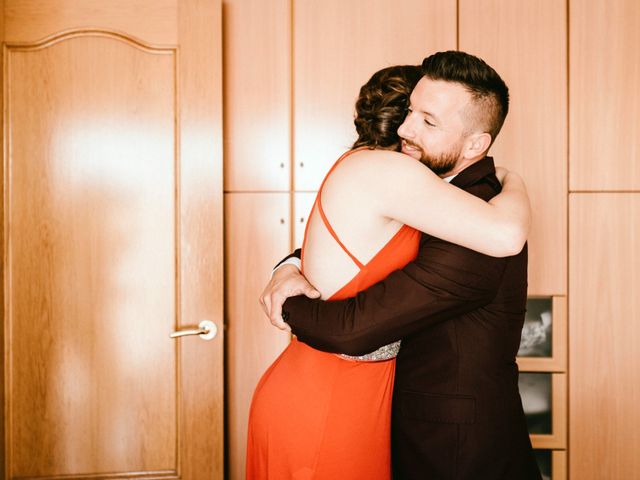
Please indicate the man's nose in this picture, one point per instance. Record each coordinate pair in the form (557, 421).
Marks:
(405, 130)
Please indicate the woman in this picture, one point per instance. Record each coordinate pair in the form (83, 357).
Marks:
(324, 416)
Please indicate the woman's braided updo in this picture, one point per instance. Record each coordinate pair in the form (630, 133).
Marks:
(382, 106)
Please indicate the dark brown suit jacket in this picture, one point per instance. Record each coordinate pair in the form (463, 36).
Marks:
(457, 412)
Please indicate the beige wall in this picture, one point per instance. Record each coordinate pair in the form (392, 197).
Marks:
(292, 72)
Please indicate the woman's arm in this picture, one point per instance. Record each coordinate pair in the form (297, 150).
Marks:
(513, 203)
(403, 189)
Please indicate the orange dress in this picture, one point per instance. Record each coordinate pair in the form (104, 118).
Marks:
(320, 416)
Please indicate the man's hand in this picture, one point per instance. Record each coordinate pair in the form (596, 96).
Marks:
(287, 281)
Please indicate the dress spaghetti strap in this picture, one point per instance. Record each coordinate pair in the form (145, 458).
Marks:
(334, 234)
(325, 220)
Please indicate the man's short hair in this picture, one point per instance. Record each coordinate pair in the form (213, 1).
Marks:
(489, 92)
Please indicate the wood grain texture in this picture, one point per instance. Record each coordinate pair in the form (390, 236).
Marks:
(112, 239)
(32, 20)
(337, 47)
(604, 308)
(91, 257)
(559, 465)
(3, 433)
(257, 93)
(605, 106)
(257, 232)
(303, 203)
(201, 448)
(525, 42)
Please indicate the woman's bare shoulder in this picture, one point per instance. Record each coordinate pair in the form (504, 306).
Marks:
(377, 154)
(378, 162)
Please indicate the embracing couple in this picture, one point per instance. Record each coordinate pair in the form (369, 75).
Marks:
(408, 303)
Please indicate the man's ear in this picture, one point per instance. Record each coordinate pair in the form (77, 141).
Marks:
(476, 145)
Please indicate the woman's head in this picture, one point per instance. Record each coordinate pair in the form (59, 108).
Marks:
(382, 106)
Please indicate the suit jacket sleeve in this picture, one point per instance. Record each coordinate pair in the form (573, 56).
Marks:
(296, 253)
(444, 281)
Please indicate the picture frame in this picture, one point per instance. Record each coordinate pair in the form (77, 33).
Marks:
(557, 359)
(546, 411)
(553, 464)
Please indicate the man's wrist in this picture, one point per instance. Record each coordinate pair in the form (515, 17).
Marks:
(293, 261)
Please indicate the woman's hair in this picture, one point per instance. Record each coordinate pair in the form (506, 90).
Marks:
(382, 106)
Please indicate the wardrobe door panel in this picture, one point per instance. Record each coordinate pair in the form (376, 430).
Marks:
(257, 236)
(605, 106)
(302, 208)
(257, 92)
(338, 45)
(604, 309)
(525, 42)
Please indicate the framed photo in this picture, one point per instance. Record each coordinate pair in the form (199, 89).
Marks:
(544, 400)
(543, 345)
(552, 464)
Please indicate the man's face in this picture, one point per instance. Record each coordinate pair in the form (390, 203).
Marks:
(434, 130)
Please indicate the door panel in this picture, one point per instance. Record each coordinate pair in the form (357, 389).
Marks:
(257, 93)
(112, 240)
(525, 37)
(604, 308)
(257, 235)
(151, 20)
(338, 45)
(604, 107)
(303, 203)
(91, 257)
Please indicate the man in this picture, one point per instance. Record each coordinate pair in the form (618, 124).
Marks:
(457, 412)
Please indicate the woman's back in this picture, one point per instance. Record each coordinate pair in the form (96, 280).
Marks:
(347, 242)
(316, 414)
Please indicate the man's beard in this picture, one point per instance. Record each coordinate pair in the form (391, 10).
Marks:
(440, 164)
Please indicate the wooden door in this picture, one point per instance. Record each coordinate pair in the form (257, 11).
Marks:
(112, 239)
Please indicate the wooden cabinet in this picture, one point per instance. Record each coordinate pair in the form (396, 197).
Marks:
(257, 234)
(338, 45)
(604, 108)
(604, 233)
(303, 203)
(525, 42)
(604, 332)
(542, 361)
(329, 56)
(257, 95)
(293, 70)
